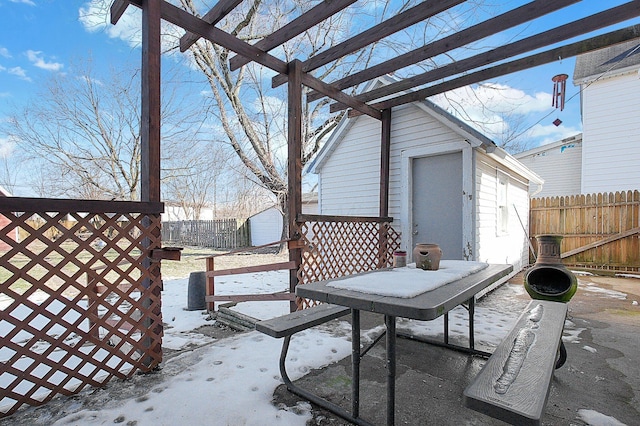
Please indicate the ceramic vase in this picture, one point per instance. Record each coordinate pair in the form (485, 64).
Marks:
(427, 256)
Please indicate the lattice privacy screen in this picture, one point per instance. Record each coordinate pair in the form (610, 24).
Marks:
(80, 302)
(335, 247)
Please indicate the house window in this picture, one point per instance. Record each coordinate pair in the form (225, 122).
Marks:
(502, 204)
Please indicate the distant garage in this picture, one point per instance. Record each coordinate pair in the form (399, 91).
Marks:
(266, 226)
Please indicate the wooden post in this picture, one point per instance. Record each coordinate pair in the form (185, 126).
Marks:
(210, 289)
(385, 152)
(294, 167)
(150, 122)
(150, 142)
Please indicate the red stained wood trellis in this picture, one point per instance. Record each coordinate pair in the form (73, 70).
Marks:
(78, 305)
(335, 246)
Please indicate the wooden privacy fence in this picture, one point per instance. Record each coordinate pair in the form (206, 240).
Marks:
(332, 246)
(219, 233)
(601, 231)
(79, 305)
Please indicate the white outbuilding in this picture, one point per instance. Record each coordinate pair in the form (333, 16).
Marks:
(449, 184)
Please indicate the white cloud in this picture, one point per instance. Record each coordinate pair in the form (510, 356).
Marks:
(28, 2)
(19, 72)
(550, 133)
(37, 59)
(95, 16)
(6, 147)
(4, 52)
(499, 110)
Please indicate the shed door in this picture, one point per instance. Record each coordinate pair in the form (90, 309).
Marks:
(437, 202)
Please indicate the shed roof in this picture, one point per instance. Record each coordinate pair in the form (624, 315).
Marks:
(619, 57)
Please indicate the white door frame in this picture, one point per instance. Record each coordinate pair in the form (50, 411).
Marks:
(406, 173)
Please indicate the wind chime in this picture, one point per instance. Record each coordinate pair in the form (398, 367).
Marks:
(559, 90)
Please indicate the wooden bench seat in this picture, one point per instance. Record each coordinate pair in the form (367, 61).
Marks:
(294, 322)
(514, 384)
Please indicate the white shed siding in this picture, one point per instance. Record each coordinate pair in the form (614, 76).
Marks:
(412, 128)
(559, 166)
(492, 246)
(611, 139)
(349, 183)
(265, 227)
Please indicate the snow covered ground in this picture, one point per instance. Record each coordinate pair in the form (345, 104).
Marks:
(232, 380)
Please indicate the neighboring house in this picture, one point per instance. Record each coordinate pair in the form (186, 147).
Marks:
(175, 212)
(559, 164)
(266, 226)
(449, 184)
(610, 101)
(610, 141)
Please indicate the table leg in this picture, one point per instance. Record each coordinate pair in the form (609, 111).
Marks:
(390, 323)
(472, 310)
(446, 328)
(355, 362)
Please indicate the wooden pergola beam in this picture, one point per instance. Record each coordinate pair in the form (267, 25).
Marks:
(474, 33)
(548, 56)
(399, 22)
(202, 29)
(118, 8)
(312, 17)
(339, 96)
(576, 28)
(212, 17)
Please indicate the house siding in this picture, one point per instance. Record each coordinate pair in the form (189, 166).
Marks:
(611, 139)
(350, 178)
(349, 183)
(560, 166)
(491, 245)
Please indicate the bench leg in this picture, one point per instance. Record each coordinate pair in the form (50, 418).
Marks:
(562, 355)
(303, 393)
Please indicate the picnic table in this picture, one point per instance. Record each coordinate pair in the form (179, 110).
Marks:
(409, 293)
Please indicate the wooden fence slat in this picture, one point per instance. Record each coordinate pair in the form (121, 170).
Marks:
(599, 230)
(219, 233)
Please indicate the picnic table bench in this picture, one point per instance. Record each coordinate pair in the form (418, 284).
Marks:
(514, 384)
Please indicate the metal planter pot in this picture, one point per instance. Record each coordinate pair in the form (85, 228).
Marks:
(549, 279)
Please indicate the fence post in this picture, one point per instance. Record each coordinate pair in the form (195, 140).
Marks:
(210, 284)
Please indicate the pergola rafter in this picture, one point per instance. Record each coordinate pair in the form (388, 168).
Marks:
(562, 33)
(477, 32)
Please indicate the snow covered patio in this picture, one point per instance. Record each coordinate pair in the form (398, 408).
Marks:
(215, 376)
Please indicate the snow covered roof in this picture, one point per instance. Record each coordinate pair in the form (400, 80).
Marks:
(613, 60)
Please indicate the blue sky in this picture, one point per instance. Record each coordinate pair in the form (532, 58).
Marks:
(41, 37)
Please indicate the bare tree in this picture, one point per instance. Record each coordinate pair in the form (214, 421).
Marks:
(86, 129)
(251, 114)
(198, 173)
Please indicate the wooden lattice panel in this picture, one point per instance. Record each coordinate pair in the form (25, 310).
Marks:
(80, 301)
(337, 247)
